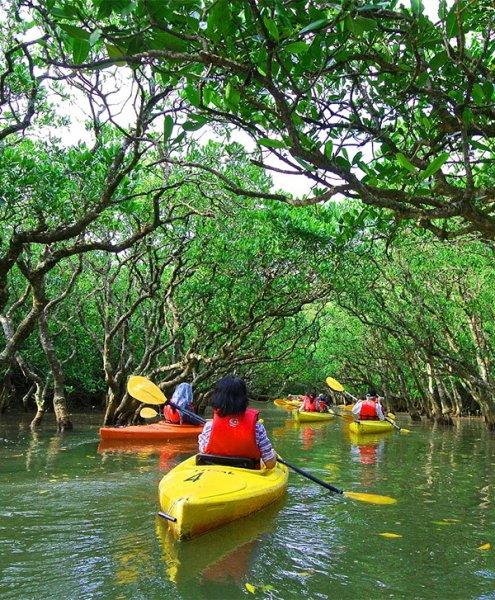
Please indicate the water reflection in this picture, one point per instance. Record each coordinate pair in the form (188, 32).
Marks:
(312, 434)
(223, 555)
(167, 450)
(368, 449)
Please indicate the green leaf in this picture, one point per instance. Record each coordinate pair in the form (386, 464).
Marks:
(305, 164)
(442, 9)
(438, 60)
(404, 162)
(192, 94)
(435, 165)
(114, 53)
(167, 41)
(75, 32)
(192, 125)
(219, 20)
(268, 143)
(478, 94)
(488, 89)
(232, 95)
(362, 24)
(297, 47)
(272, 28)
(417, 7)
(480, 146)
(319, 24)
(168, 126)
(329, 149)
(452, 24)
(80, 50)
(94, 37)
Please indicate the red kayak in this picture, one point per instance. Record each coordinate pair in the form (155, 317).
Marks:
(153, 431)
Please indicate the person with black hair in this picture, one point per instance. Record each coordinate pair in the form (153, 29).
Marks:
(369, 409)
(235, 429)
(323, 402)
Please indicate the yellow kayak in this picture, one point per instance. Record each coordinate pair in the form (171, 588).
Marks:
(197, 498)
(306, 417)
(370, 426)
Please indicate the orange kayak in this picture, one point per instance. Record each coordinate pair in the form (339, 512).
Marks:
(151, 431)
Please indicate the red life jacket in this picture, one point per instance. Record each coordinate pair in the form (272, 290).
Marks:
(234, 435)
(172, 415)
(309, 404)
(368, 411)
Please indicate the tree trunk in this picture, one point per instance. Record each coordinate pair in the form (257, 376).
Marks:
(411, 409)
(5, 392)
(62, 415)
(484, 394)
(36, 422)
(434, 406)
(40, 399)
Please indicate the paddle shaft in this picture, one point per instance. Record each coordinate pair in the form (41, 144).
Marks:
(392, 423)
(312, 477)
(188, 413)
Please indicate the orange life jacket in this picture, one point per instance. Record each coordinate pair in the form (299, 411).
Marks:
(368, 411)
(309, 404)
(234, 435)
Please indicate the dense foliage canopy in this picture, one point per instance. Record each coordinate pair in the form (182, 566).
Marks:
(153, 243)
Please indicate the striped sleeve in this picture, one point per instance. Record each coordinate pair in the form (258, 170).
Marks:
(263, 443)
(204, 436)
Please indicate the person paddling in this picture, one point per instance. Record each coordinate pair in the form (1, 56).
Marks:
(182, 398)
(369, 409)
(309, 403)
(235, 429)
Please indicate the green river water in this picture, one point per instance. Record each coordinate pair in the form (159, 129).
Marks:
(78, 521)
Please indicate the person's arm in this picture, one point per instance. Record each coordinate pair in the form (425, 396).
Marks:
(379, 412)
(204, 437)
(356, 409)
(268, 454)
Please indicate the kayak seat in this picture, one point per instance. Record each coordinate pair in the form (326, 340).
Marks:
(229, 461)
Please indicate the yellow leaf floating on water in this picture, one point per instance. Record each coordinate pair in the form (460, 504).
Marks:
(390, 535)
(331, 467)
(485, 547)
(43, 491)
(250, 588)
(304, 574)
(452, 520)
(441, 523)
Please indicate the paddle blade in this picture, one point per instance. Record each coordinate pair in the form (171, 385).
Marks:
(148, 413)
(280, 402)
(370, 498)
(334, 384)
(145, 390)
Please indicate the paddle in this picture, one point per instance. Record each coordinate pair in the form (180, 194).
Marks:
(148, 413)
(147, 392)
(285, 404)
(338, 387)
(370, 498)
